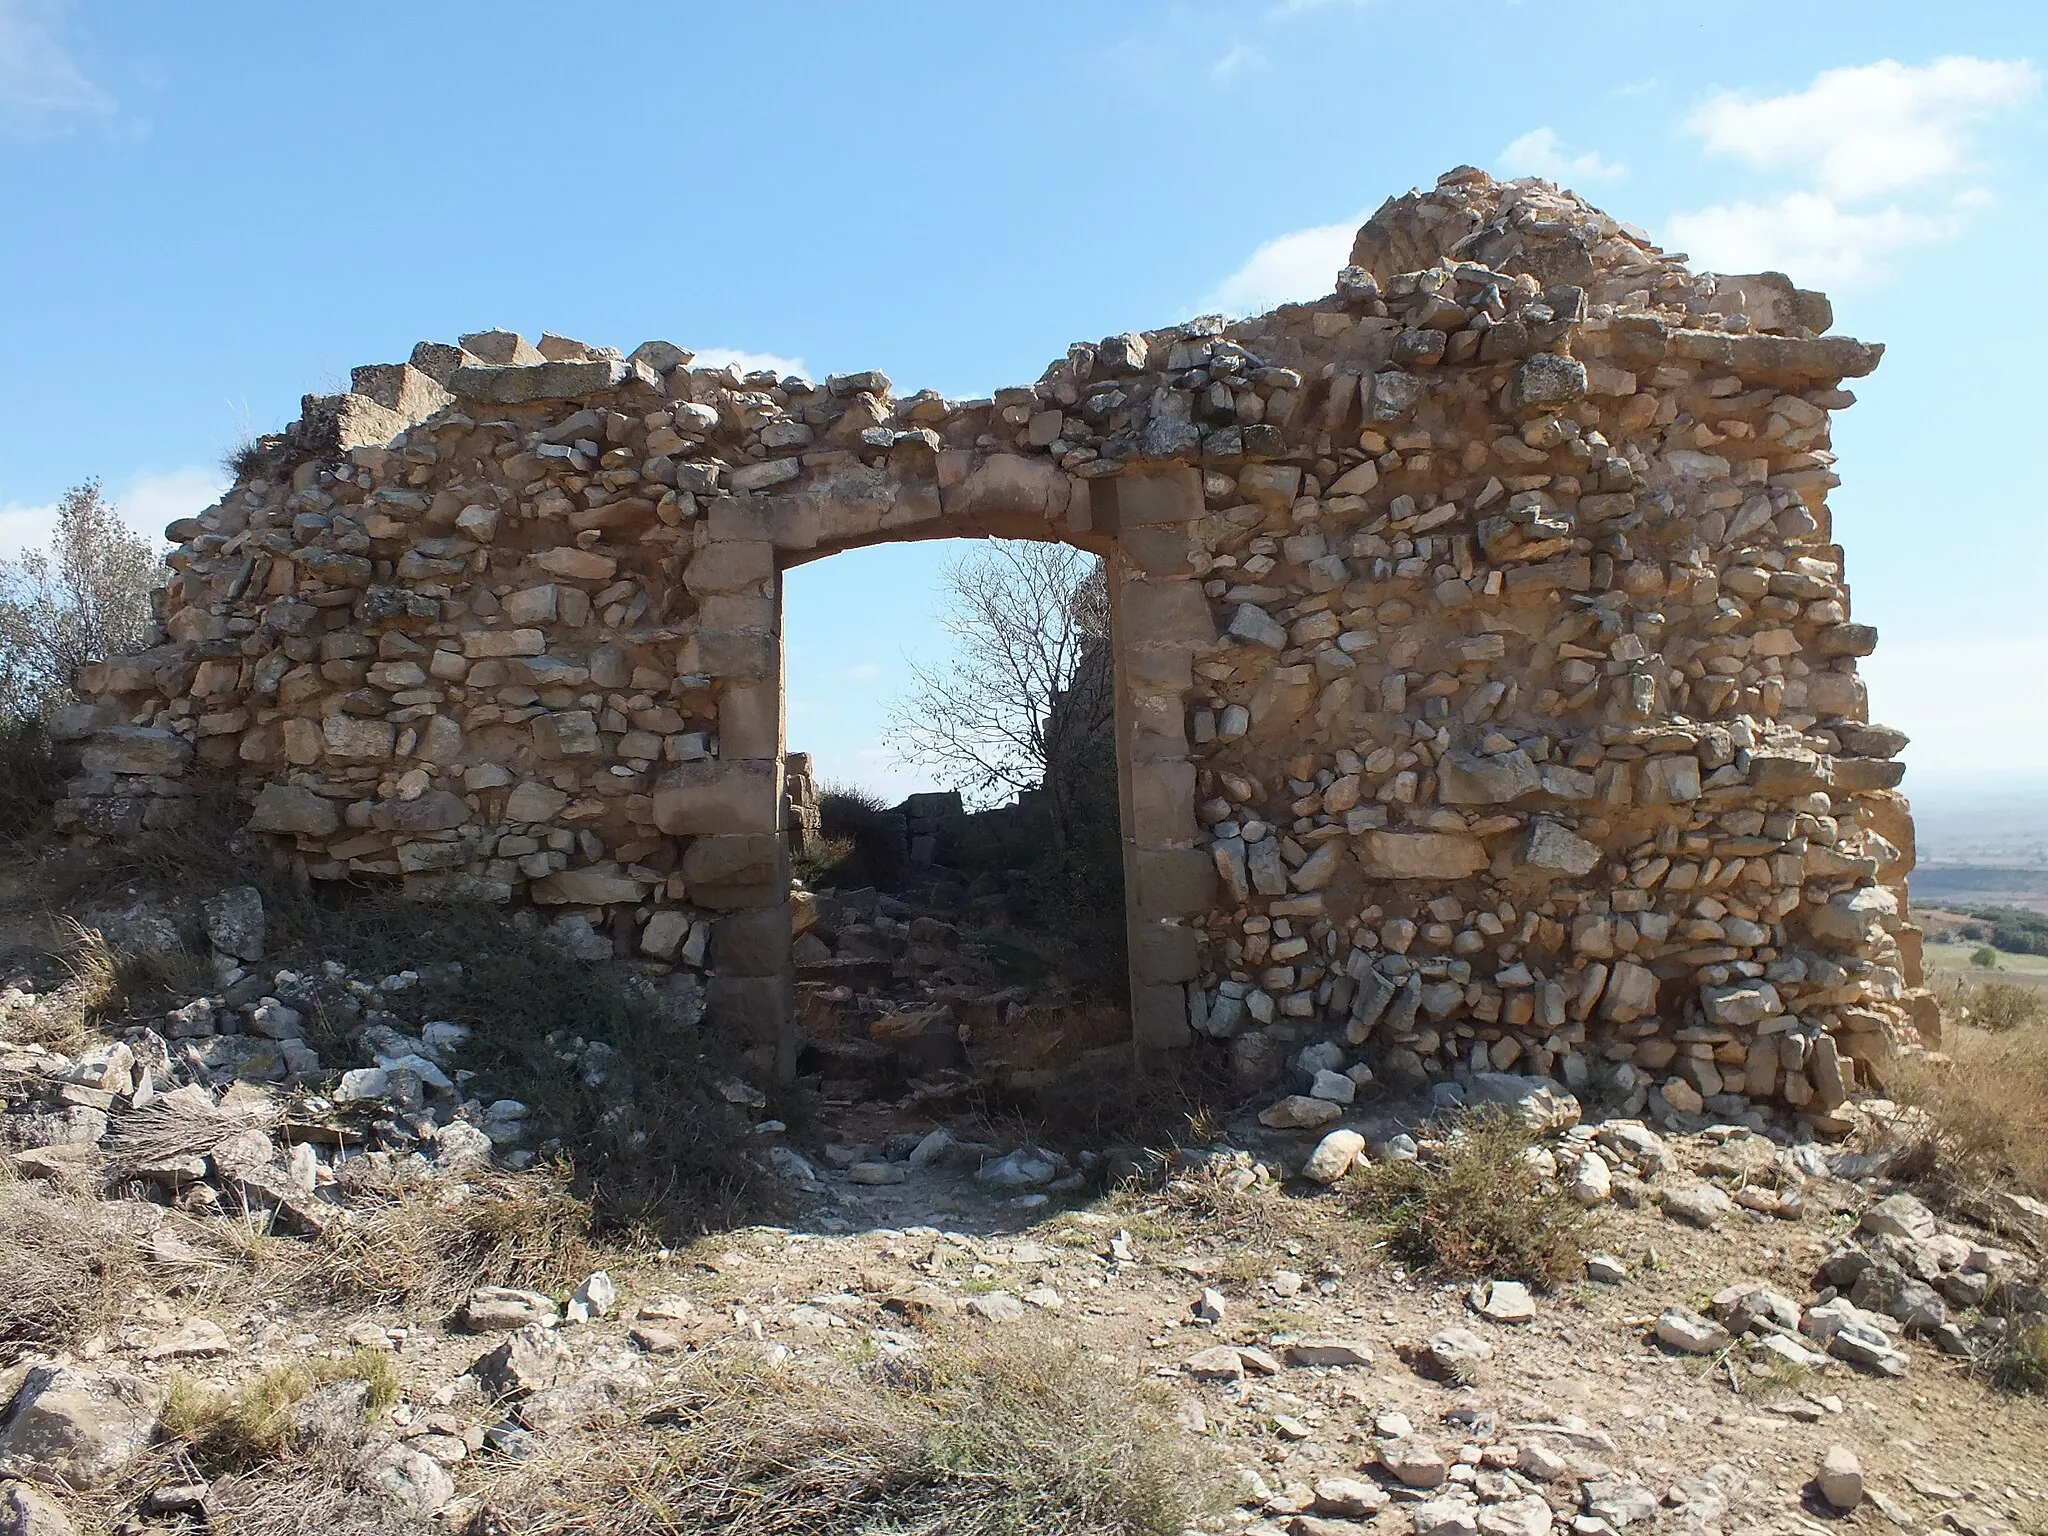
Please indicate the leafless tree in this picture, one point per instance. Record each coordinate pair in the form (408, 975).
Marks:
(84, 598)
(1027, 694)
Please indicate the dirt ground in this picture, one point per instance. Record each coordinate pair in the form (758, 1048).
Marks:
(1118, 1274)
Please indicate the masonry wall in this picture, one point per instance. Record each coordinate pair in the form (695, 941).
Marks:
(1486, 671)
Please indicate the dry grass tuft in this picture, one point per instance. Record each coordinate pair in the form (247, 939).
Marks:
(1979, 1112)
(318, 1495)
(255, 1423)
(1479, 1209)
(1027, 1441)
(167, 1129)
(66, 1269)
(1217, 1199)
(103, 982)
(417, 1248)
(1997, 1006)
(201, 852)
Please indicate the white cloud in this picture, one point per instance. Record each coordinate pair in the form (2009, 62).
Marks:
(152, 500)
(1884, 151)
(864, 671)
(1871, 130)
(41, 85)
(1540, 152)
(1286, 269)
(148, 501)
(749, 362)
(1809, 236)
(1241, 58)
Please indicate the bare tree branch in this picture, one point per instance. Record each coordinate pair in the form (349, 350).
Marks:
(1027, 691)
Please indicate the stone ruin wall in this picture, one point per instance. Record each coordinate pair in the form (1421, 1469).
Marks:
(1487, 688)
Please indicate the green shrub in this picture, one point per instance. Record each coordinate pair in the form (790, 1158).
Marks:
(2016, 930)
(1478, 1210)
(2018, 1362)
(30, 780)
(859, 842)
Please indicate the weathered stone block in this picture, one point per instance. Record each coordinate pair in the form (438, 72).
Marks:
(1172, 882)
(753, 1008)
(1469, 779)
(1422, 856)
(731, 859)
(1670, 779)
(759, 477)
(1631, 992)
(1850, 919)
(738, 653)
(566, 733)
(130, 749)
(594, 885)
(1859, 775)
(573, 564)
(480, 644)
(1165, 614)
(725, 796)
(1164, 952)
(286, 808)
(400, 387)
(78, 1428)
(518, 383)
(754, 942)
(438, 810)
(1552, 847)
(348, 737)
(1008, 485)
(664, 933)
(1159, 1016)
(1162, 802)
(533, 801)
(730, 566)
(1544, 383)
(750, 720)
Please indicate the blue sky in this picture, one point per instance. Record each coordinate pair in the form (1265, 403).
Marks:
(209, 209)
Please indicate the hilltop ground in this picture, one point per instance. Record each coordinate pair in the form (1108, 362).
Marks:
(247, 1206)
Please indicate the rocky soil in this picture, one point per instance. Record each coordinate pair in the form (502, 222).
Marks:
(1766, 1333)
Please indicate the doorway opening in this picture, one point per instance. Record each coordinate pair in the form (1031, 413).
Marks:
(954, 819)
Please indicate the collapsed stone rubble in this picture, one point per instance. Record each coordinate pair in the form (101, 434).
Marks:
(225, 1104)
(1486, 677)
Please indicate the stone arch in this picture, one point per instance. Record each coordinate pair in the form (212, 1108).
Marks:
(1159, 623)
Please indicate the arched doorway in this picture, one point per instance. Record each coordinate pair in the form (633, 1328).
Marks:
(1160, 622)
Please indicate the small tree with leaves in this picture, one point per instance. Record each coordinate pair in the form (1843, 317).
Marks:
(1025, 701)
(84, 598)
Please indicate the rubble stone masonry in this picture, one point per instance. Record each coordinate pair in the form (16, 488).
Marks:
(1486, 674)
